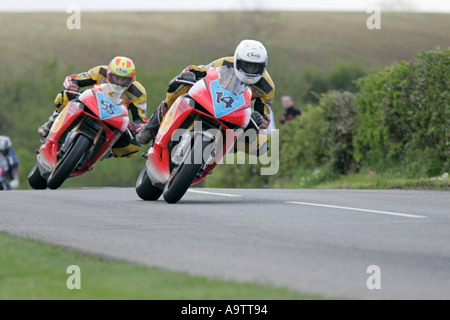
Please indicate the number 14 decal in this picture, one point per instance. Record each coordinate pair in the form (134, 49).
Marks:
(227, 100)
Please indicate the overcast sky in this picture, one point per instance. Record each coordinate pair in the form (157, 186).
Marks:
(183, 5)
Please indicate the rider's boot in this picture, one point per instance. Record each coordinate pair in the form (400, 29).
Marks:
(151, 128)
(61, 101)
(45, 128)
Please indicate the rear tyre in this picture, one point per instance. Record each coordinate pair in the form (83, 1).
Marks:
(35, 179)
(177, 185)
(145, 189)
(69, 162)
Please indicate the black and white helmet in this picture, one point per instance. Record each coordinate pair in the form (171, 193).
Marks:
(250, 61)
(5, 144)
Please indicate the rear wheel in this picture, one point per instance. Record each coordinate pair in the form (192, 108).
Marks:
(180, 182)
(145, 189)
(35, 179)
(69, 162)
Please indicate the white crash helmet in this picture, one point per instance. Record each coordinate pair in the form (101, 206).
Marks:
(250, 61)
(5, 144)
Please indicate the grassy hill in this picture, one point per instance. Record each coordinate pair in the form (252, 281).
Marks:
(38, 51)
(156, 40)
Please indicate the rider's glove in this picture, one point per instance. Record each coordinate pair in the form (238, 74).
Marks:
(135, 126)
(176, 82)
(70, 86)
(260, 120)
(187, 76)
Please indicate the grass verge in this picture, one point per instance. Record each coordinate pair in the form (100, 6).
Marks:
(382, 182)
(323, 178)
(368, 179)
(34, 270)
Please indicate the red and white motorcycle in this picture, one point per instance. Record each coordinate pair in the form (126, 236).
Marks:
(198, 130)
(83, 134)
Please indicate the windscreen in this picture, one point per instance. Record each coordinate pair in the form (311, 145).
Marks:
(114, 92)
(229, 81)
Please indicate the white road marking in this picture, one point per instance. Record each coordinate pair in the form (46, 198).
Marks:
(359, 209)
(214, 193)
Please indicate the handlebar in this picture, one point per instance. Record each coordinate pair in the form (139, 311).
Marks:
(73, 92)
(186, 82)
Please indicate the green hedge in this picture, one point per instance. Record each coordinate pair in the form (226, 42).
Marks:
(340, 115)
(405, 117)
(322, 136)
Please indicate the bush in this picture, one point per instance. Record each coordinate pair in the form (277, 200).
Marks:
(303, 142)
(404, 116)
(339, 111)
(322, 136)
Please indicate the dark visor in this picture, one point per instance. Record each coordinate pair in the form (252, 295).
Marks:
(251, 67)
(124, 82)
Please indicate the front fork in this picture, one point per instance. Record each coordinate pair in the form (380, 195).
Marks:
(213, 153)
(186, 143)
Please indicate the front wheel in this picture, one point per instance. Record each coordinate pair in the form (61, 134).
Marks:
(69, 162)
(35, 179)
(145, 189)
(180, 182)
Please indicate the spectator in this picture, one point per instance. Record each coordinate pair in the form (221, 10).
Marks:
(13, 162)
(291, 111)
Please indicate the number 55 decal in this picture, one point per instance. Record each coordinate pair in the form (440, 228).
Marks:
(108, 107)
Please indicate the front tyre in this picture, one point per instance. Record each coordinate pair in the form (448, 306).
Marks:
(145, 189)
(35, 179)
(69, 162)
(177, 185)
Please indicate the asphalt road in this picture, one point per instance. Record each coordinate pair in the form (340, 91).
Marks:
(315, 241)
